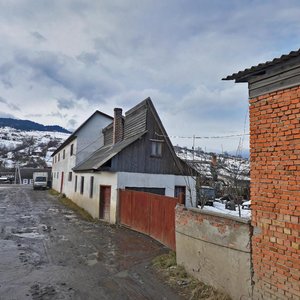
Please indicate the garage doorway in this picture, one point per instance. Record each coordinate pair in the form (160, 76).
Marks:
(104, 202)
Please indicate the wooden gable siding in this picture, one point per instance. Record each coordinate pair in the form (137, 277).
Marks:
(137, 156)
(135, 122)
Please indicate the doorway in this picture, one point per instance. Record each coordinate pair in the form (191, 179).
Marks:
(104, 202)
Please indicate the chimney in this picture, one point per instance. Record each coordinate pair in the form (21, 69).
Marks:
(214, 160)
(118, 128)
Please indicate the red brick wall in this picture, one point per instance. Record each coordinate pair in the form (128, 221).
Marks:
(275, 193)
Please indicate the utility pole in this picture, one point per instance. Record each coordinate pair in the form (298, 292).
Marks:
(18, 174)
(193, 147)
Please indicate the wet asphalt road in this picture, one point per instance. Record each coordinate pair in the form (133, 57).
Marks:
(48, 252)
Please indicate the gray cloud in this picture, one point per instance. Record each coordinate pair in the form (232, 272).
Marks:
(72, 124)
(57, 115)
(38, 36)
(65, 71)
(109, 53)
(65, 103)
(10, 105)
(33, 115)
(6, 115)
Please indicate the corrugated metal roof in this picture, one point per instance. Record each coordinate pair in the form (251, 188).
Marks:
(105, 153)
(242, 76)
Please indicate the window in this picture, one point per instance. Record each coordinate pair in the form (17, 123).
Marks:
(76, 183)
(64, 154)
(72, 150)
(70, 176)
(156, 148)
(82, 185)
(58, 156)
(91, 186)
(180, 191)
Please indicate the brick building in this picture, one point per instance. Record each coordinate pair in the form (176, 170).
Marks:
(274, 92)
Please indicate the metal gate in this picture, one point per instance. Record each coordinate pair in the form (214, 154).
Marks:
(150, 214)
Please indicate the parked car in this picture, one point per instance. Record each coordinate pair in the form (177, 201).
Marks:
(206, 194)
(246, 205)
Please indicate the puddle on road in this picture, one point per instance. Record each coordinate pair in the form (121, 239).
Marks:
(92, 259)
(62, 238)
(29, 235)
(55, 210)
(24, 217)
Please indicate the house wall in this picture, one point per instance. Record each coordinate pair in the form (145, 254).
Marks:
(275, 175)
(64, 165)
(156, 180)
(216, 249)
(90, 137)
(116, 181)
(91, 205)
(137, 158)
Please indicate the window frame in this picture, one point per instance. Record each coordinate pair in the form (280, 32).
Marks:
(70, 176)
(91, 186)
(156, 148)
(76, 180)
(81, 185)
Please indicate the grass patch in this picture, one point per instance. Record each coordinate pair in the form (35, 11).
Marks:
(73, 206)
(186, 285)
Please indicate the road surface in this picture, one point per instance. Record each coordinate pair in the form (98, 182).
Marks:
(48, 252)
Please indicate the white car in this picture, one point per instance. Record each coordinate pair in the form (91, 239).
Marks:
(246, 205)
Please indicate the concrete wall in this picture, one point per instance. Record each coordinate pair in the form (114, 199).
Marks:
(215, 248)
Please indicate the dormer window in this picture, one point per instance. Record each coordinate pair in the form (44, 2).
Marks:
(156, 148)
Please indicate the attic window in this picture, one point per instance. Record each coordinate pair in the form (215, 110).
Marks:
(156, 148)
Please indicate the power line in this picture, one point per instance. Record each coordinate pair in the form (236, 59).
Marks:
(203, 137)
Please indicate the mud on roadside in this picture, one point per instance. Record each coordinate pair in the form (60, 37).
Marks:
(185, 285)
(164, 265)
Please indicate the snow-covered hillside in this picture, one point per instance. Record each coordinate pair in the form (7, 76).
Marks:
(28, 148)
(226, 166)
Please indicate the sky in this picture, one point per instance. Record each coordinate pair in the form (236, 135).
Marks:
(60, 60)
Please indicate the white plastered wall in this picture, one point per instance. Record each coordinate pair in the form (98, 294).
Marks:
(91, 205)
(64, 165)
(158, 181)
(120, 181)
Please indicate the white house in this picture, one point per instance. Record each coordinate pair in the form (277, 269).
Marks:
(80, 144)
(134, 152)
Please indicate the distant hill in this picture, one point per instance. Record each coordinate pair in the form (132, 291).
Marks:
(27, 125)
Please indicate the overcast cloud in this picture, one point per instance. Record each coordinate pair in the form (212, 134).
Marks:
(60, 60)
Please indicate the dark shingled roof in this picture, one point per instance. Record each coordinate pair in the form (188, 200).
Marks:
(105, 153)
(243, 76)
